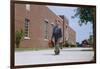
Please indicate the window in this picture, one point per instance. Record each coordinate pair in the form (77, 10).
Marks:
(26, 29)
(28, 7)
(52, 24)
(46, 29)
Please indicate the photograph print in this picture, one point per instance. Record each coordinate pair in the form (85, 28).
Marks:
(53, 34)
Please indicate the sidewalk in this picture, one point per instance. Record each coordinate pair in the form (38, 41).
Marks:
(47, 56)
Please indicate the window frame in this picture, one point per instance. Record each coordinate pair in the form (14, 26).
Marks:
(26, 28)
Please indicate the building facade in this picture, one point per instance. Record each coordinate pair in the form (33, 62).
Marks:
(37, 23)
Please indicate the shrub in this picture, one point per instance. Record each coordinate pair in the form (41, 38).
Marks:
(18, 37)
(69, 44)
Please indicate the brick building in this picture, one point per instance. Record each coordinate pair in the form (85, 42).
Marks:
(37, 23)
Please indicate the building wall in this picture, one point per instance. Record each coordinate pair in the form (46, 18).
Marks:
(71, 36)
(37, 16)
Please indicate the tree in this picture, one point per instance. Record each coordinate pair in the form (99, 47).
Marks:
(86, 15)
(19, 36)
(90, 40)
(78, 44)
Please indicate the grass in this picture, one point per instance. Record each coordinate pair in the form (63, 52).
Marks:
(30, 49)
(37, 49)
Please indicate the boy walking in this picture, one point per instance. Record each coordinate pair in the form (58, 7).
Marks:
(56, 35)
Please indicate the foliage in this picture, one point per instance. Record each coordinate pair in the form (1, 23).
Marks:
(78, 44)
(66, 44)
(69, 44)
(19, 36)
(85, 14)
(90, 40)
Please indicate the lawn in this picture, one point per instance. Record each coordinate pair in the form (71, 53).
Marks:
(30, 49)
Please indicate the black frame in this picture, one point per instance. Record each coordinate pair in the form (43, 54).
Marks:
(12, 29)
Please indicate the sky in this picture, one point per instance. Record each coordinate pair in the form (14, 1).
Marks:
(82, 32)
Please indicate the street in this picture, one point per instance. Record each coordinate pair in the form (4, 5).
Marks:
(47, 56)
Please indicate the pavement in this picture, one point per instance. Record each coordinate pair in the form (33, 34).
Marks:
(48, 57)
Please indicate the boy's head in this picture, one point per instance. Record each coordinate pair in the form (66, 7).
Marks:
(56, 23)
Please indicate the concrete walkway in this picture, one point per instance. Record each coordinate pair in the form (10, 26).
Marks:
(47, 56)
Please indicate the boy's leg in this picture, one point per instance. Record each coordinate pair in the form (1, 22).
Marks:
(57, 50)
(60, 43)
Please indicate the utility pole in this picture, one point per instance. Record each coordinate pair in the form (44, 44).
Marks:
(63, 28)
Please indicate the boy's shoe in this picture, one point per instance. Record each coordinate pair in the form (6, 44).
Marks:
(57, 52)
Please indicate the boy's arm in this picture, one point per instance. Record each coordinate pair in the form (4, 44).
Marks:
(52, 36)
(60, 32)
